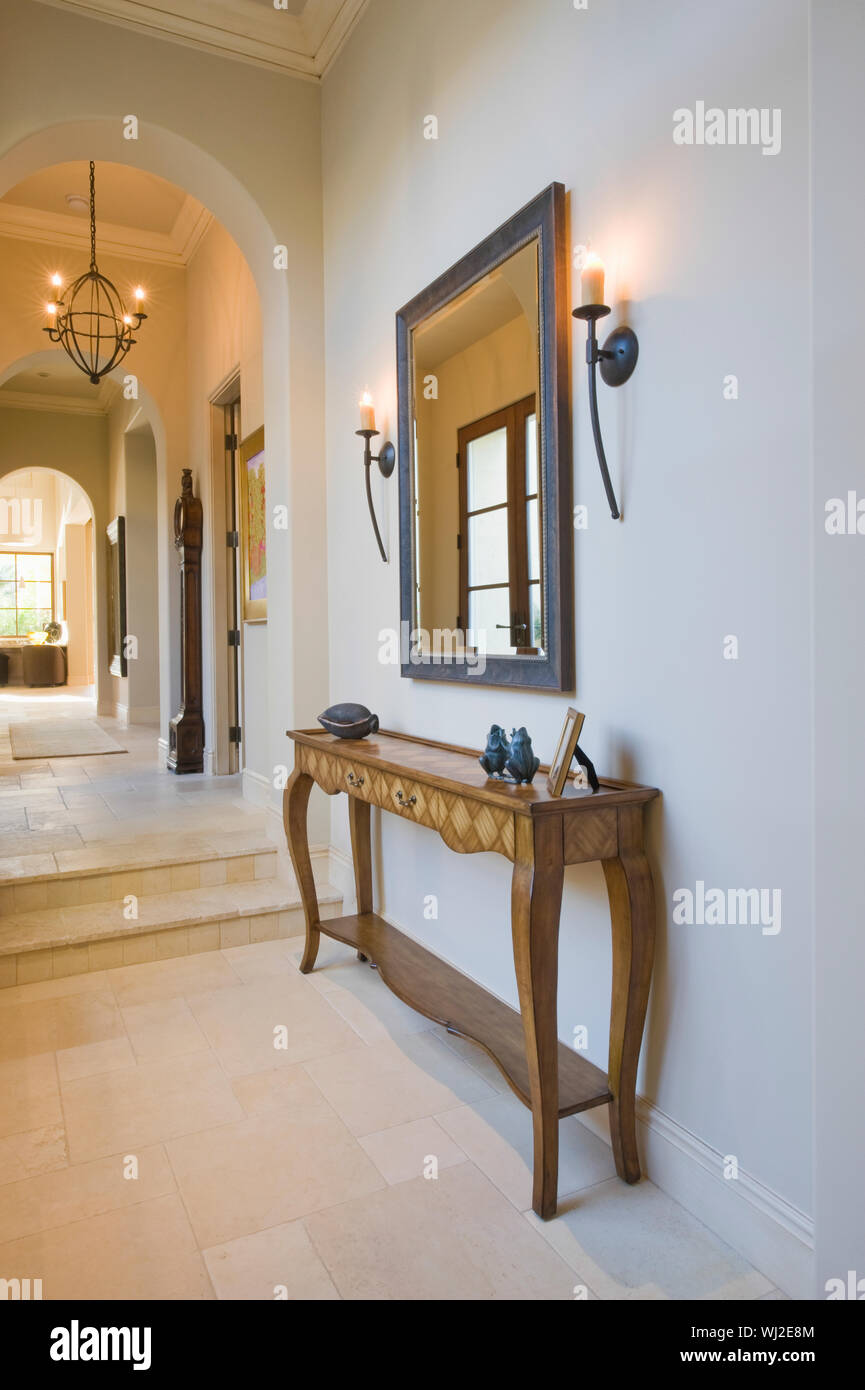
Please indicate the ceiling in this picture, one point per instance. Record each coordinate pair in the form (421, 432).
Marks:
(300, 38)
(137, 214)
(58, 385)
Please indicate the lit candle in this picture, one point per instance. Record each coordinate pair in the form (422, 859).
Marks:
(51, 309)
(367, 412)
(139, 295)
(592, 280)
(56, 281)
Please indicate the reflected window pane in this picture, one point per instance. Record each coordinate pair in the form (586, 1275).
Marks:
(487, 609)
(488, 548)
(487, 467)
(34, 566)
(531, 454)
(535, 627)
(26, 621)
(7, 594)
(7, 566)
(26, 594)
(533, 538)
(7, 623)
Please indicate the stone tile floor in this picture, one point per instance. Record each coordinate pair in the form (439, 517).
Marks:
(220, 1126)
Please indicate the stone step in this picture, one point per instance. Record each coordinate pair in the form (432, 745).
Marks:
(47, 943)
(148, 865)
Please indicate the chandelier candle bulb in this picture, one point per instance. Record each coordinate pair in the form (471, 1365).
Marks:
(592, 280)
(367, 412)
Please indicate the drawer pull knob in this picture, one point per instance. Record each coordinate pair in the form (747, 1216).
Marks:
(404, 800)
(354, 781)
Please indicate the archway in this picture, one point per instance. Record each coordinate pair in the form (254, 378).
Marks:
(177, 160)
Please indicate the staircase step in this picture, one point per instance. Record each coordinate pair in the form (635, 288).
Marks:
(47, 943)
(149, 865)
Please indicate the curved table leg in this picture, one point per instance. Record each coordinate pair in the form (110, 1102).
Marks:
(632, 914)
(536, 899)
(295, 800)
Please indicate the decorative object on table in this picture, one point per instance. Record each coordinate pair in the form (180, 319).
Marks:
(522, 763)
(565, 750)
(589, 768)
(93, 325)
(385, 458)
(53, 632)
(349, 721)
(253, 528)
(186, 730)
(495, 755)
(616, 359)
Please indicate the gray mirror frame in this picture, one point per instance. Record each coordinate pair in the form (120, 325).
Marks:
(545, 217)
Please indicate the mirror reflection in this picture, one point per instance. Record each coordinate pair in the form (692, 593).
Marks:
(477, 484)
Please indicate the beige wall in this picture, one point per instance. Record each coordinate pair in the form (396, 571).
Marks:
(79, 606)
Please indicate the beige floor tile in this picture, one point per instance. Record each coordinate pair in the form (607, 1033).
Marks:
(141, 1252)
(409, 1151)
(94, 1058)
(239, 1025)
(293, 1161)
(49, 1025)
(362, 998)
(29, 1094)
(166, 979)
(36, 1151)
(145, 1104)
(497, 1135)
(452, 1238)
(94, 983)
(289, 1088)
(393, 1082)
(83, 1190)
(279, 1263)
(260, 960)
(162, 1028)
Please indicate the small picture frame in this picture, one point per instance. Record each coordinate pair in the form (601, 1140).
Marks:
(567, 746)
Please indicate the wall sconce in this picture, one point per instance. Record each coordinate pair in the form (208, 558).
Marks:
(386, 459)
(616, 359)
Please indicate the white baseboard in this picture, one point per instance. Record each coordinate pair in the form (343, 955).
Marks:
(162, 745)
(121, 714)
(256, 788)
(774, 1236)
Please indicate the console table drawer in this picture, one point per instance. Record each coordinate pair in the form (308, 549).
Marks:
(466, 825)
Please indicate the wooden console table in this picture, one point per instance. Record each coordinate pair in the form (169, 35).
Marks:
(445, 788)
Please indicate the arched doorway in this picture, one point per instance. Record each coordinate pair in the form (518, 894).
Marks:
(47, 581)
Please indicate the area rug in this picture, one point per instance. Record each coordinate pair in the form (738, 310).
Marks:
(60, 738)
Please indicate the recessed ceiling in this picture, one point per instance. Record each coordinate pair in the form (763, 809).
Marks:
(125, 197)
(137, 214)
(300, 38)
(57, 384)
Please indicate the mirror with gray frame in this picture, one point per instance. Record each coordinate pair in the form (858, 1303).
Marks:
(486, 558)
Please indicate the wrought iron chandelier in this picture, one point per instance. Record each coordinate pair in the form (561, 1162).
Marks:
(94, 327)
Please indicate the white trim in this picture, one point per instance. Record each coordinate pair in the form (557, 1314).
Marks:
(256, 788)
(63, 405)
(304, 45)
(143, 714)
(162, 745)
(175, 248)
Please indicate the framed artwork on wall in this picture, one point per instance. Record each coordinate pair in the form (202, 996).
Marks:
(116, 575)
(253, 528)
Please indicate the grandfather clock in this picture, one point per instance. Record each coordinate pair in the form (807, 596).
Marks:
(186, 732)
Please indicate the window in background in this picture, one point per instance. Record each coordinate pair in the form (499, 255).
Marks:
(26, 593)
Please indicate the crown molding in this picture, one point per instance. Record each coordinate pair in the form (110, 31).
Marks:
(62, 405)
(303, 45)
(63, 229)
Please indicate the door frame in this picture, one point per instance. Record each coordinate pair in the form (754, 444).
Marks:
(227, 757)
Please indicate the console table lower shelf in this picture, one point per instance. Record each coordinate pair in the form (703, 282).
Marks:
(443, 788)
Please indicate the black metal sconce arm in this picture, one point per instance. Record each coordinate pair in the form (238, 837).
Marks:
(386, 460)
(617, 360)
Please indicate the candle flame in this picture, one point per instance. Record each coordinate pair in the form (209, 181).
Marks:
(56, 281)
(366, 399)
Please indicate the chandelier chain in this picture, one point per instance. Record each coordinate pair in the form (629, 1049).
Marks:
(92, 215)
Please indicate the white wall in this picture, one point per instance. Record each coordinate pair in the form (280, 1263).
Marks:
(710, 247)
(838, 37)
